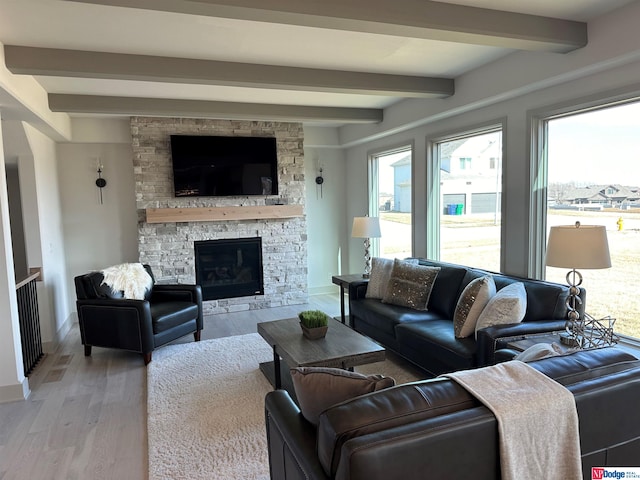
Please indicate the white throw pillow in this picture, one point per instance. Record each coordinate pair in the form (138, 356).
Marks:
(379, 278)
(538, 352)
(508, 305)
(472, 301)
(381, 269)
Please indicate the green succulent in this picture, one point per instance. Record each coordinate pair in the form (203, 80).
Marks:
(313, 318)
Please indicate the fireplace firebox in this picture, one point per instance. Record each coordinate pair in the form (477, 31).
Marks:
(229, 268)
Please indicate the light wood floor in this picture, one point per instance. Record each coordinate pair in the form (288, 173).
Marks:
(86, 416)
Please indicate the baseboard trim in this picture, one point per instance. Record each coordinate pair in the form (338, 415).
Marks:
(65, 328)
(16, 392)
(61, 333)
(326, 290)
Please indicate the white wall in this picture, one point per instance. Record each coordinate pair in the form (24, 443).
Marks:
(45, 244)
(13, 384)
(96, 235)
(326, 220)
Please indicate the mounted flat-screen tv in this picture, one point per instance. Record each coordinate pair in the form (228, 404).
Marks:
(217, 166)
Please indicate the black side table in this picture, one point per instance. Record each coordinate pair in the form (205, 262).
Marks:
(344, 281)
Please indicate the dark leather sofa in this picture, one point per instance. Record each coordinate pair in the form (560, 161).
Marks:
(435, 429)
(427, 339)
(106, 319)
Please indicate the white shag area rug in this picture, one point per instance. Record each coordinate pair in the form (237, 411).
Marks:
(205, 407)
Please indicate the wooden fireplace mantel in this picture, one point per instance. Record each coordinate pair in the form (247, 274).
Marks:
(221, 214)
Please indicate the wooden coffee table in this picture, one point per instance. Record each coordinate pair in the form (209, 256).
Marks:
(341, 348)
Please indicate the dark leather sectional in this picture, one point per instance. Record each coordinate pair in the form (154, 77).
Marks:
(426, 338)
(435, 429)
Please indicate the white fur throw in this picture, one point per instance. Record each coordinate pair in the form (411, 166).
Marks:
(130, 278)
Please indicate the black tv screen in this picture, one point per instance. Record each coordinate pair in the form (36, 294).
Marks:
(212, 166)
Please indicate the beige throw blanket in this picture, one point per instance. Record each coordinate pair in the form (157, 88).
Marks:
(537, 420)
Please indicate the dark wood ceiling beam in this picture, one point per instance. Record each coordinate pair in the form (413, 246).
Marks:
(404, 18)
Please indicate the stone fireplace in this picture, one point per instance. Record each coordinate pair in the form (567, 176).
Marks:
(169, 247)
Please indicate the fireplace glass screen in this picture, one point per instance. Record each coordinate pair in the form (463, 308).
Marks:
(229, 268)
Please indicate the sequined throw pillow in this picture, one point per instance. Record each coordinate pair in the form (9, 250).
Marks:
(410, 285)
(472, 301)
(380, 274)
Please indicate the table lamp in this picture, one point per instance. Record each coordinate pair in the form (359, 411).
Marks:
(577, 246)
(366, 227)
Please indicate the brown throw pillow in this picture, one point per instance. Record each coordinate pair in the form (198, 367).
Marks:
(410, 285)
(472, 301)
(319, 388)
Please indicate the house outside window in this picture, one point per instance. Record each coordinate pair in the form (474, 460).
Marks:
(390, 199)
(470, 199)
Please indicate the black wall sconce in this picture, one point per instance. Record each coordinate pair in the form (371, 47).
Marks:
(100, 182)
(320, 181)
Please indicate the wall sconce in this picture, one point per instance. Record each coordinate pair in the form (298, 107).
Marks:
(320, 181)
(100, 182)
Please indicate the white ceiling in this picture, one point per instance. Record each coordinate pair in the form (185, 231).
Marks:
(388, 37)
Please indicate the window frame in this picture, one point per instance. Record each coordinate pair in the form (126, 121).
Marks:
(374, 191)
(537, 123)
(433, 180)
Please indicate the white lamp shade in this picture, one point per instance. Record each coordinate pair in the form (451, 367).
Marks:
(578, 247)
(366, 227)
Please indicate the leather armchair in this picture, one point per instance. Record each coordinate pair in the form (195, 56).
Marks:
(109, 320)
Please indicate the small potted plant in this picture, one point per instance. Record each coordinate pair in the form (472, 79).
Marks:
(314, 323)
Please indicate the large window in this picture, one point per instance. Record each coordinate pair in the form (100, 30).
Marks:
(470, 198)
(391, 200)
(594, 178)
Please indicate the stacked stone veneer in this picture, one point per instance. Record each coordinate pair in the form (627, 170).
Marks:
(168, 247)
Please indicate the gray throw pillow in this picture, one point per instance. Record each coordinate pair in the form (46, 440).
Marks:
(319, 388)
(410, 285)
